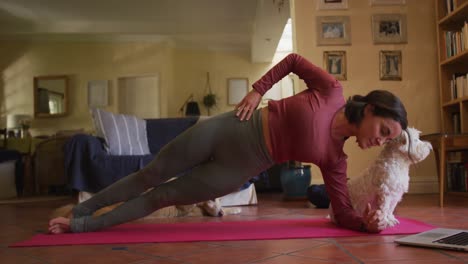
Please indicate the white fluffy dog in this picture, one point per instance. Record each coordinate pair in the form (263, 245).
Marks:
(386, 180)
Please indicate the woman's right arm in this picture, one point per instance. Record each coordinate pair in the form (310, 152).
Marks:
(314, 77)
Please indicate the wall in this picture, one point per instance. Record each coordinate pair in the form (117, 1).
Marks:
(418, 89)
(21, 61)
(191, 68)
(181, 72)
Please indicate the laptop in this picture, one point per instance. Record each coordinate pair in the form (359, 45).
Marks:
(444, 238)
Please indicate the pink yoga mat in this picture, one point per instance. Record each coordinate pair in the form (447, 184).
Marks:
(215, 231)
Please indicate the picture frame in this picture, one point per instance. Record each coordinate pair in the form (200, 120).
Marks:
(390, 65)
(98, 93)
(386, 2)
(237, 89)
(333, 30)
(389, 28)
(332, 4)
(335, 64)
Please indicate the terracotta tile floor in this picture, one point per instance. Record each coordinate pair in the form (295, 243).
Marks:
(21, 221)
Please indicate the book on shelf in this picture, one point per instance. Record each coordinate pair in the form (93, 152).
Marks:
(457, 171)
(465, 35)
(456, 123)
(459, 85)
(451, 5)
(456, 42)
(457, 156)
(457, 177)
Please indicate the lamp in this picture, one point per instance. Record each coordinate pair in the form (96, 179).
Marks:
(191, 107)
(18, 123)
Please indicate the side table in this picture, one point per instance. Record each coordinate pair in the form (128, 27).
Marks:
(49, 165)
(441, 143)
(23, 146)
(26, 146)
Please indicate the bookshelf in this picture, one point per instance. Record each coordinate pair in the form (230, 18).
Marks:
(452, 45)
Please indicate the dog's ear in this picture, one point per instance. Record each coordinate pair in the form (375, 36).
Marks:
(403, 140)
(397, 143)
(419, 149)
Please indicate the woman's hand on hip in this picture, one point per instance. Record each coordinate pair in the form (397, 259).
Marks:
(248, 104)
(373, 220)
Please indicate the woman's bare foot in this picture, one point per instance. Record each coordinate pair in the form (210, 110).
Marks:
(59, 225)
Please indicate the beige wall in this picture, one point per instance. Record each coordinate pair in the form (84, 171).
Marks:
(21, 61)
(181, 72)
(190, 76)
(418, 89)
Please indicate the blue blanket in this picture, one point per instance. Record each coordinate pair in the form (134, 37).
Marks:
(90, 168)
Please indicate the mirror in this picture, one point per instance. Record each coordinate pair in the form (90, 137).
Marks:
(50, 96)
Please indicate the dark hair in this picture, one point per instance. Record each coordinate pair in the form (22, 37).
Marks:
(385, 104)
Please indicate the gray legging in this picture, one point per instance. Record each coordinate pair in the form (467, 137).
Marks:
(218, 155)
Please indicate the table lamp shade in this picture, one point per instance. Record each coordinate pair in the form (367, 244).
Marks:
(15, 121)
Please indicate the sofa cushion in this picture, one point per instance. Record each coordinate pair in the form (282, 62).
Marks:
(123, 134)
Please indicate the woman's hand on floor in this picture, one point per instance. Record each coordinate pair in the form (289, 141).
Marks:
(248, 104)
(373, 220)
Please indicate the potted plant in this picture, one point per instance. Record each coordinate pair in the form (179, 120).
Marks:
(209, 100)
(295, 179)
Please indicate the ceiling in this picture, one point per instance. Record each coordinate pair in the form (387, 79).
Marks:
(251, 26)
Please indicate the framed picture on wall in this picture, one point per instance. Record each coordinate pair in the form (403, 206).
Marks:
(98, 93)
(333, 30)
(335, 63)
(390, 65)
(389, 28)
(237, 89)
(386, 2)
(332, 4)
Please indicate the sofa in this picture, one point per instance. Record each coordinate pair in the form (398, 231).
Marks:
(90, 167)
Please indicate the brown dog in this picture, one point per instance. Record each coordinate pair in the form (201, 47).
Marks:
(207, 208)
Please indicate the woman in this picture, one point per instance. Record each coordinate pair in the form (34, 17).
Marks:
(225, 151)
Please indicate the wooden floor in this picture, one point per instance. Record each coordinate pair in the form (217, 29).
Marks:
(21, 221)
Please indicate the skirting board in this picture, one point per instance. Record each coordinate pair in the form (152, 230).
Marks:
(424, 186)
(421, 185)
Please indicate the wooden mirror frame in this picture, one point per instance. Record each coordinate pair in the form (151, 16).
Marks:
(36, 87)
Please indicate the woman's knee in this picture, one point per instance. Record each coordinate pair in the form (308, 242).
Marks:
(158, 170)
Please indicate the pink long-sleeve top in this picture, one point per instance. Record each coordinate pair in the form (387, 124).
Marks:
(300, 129)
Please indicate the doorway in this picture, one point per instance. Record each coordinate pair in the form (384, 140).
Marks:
(139, 96)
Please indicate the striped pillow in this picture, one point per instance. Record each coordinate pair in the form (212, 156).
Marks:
(123, 134)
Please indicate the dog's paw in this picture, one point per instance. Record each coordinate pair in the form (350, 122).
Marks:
(212, 208)
(232, 210)
(391, 221)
